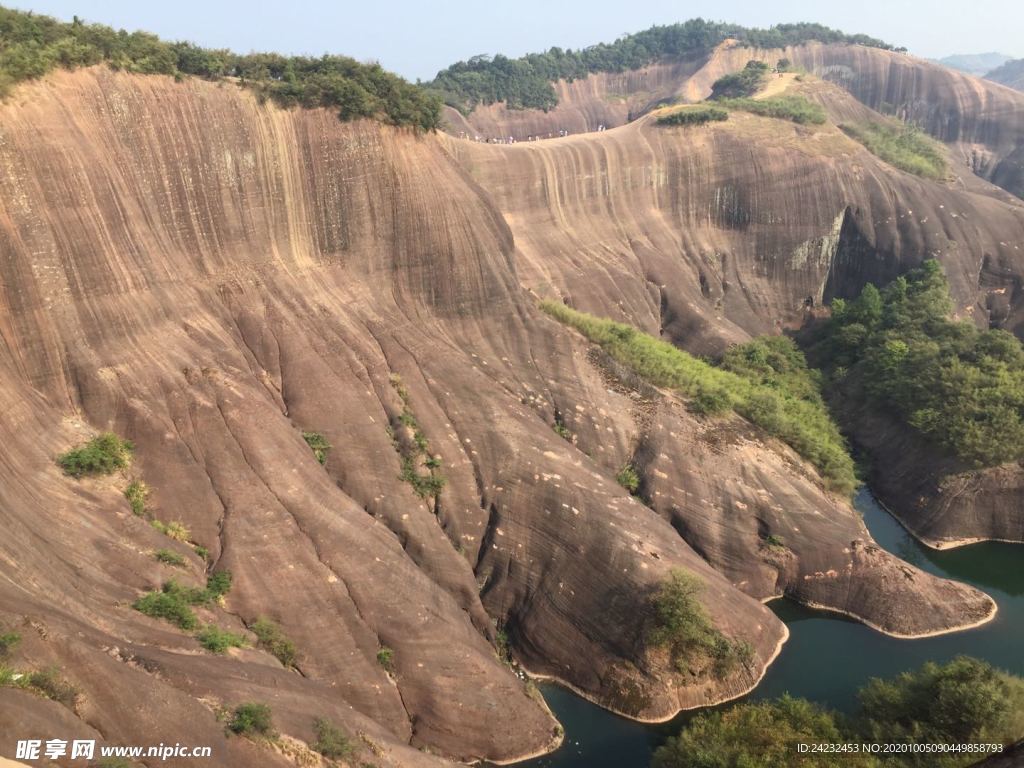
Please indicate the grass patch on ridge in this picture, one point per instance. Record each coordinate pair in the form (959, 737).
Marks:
(765, 381)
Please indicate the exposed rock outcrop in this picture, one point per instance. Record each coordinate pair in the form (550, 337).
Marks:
(208, 276)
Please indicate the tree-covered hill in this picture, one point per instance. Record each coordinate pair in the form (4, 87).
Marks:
(525, 83)
(32, 45)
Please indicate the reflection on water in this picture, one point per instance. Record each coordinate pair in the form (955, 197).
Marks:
(828, 657)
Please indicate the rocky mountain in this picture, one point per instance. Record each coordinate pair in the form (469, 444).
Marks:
(1011, 74)
(211, 276)
(977, 64)
(700, 258)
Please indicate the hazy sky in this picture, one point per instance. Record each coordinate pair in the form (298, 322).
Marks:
(416, 38)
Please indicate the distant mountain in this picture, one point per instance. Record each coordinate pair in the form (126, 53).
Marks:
(1011, 73)
(975, 63)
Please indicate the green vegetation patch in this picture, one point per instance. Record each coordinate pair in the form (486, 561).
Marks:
(318, 444)
(413, 448)
(32, 45)
(331, 741)
(796, 109)
(137, 493)
(49, 683)
(45, 682)
(525, 83)
(696, 115)
(169, 557)
(386, 658)
(746, 82)
(960, 387)
(176, 530)
(628, 478)
(904, 147)
(174, 601)
(103, 455)
(272, 639)
(252, 719)
(764, 734)
(169, 605)
(217, 640)
(682, 626)
(964, 701)
(8, 640)
(766, 381)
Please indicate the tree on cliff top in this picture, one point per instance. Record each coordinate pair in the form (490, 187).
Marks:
(525, 83)
(32, 45)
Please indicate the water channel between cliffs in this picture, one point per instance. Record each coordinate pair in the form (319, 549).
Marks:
(828, 657)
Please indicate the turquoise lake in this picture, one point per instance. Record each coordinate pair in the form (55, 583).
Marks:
(827, 657)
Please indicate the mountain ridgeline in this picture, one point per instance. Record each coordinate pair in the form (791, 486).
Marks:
(32, 45)
(525, 83)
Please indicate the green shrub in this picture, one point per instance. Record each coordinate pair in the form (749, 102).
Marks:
(796, 109)
(682, 626)
(765, 734)
(318, 444)
(696, 115)
(8, 641)
(218, 584)
(628, 478)
(169, 605)
(203, 552)
(766, 381)
(102, 455)
(252, 719)
(173, 602)
(331, 741)
(960, 387)
(217, 640)
(386, 657)
(272, 639)
(963, 701)
(49, 683)
(137, 492)
(430, 484)
(169, 557)
(33, 45)
(746, 82)
(712, 401)
(562, 431)
(774, 541)
(175, 530)
(904, 147)
(425, 486)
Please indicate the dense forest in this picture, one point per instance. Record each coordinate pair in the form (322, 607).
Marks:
(525, 83)
(960, 387)
(963, 702)
(32, 45)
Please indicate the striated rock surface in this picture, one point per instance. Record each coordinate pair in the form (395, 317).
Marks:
(942, 501)
(714, 234)
(208, 277)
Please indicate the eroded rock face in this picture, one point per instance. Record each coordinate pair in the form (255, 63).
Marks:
(709, 236)
(606, 99)
(943, 501)
(208, 277)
